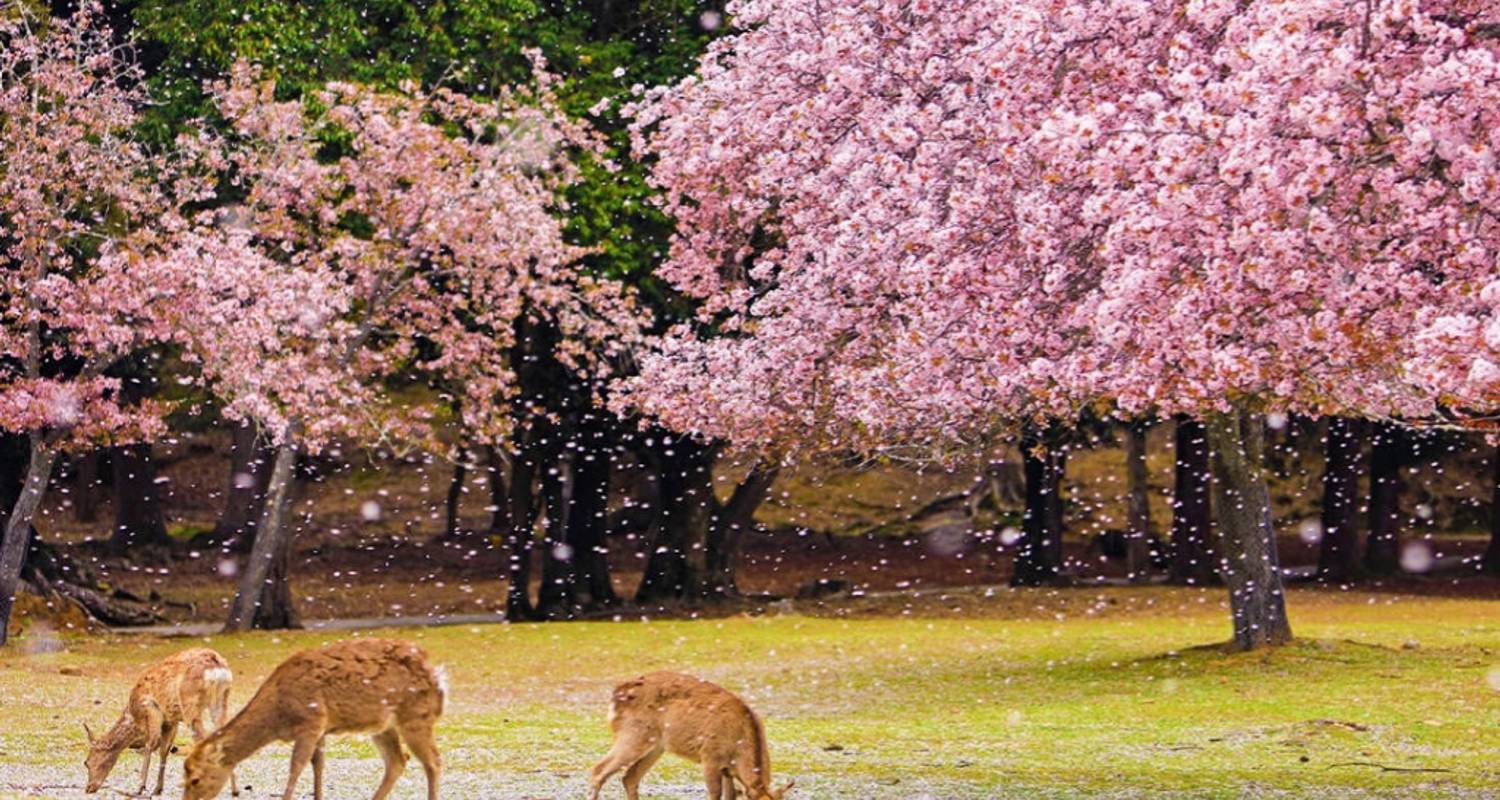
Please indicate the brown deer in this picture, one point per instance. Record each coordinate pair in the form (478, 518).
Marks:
(382, 687)
(179, 688)
(694, 719)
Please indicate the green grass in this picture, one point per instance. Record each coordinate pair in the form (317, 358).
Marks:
(1031, 694)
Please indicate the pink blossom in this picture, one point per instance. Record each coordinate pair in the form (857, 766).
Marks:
(459, 238)
(88, 220)
(923, 224)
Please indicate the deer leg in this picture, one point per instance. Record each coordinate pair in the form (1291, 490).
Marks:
(713, 775)
(145, 766)
(150, 725)
(153, 737)
(417, 734)
(317, 765)
(389, 745)
(168, 736)
(302, 752)
(627, 750)
(730, 791)
(637, 771)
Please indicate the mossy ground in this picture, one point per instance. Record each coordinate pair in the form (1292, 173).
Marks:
(1075, 693)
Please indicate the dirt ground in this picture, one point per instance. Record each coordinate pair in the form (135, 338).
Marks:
(418, 577)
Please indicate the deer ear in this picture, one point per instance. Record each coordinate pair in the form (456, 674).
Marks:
(88, 733)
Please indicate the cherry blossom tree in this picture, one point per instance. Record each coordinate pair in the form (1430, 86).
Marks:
(415, 230)
(88, 220)
(917, 223)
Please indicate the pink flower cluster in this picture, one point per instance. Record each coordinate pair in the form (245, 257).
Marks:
(922, 220)
(414, 251)
(410, 254)
(87, 218)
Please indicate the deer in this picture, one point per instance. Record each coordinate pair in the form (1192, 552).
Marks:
(382, 687)
(179, 688)
(702, 722)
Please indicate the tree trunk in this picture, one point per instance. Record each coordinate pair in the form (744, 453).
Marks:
(276, 611)
(456, 495)
(18, 527)
(86, 487)
(1492, 554)
(1338, 556)
(1383, 547)
(677, 568)
(499, 494)
(1138, 506)
(587, 529)
(732, 522)
(1247, 540)
(265, 568)
(557, 598)
(138, 515)
(1039, 557)
(250, 460)
(520, 519)
(47, 571)
(1193, 561)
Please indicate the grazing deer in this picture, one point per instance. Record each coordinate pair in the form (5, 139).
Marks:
(179, 688)
(382, 687)
(694, 719)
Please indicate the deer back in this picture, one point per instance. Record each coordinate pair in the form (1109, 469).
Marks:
(359, 685)
(697, 719)
(182, 686)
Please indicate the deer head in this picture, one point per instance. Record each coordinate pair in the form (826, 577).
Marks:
(102, 755)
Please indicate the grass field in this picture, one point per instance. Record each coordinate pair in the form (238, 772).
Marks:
(1003, 694)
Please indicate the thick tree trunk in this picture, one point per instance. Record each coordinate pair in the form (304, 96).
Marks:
(1193, 561)
(18, 527)
(1247, 539)
(250, 462)
(1338, 556)
(456, 491)
(1138, 506)
(557, 598)
(575, 570)
(520, 520)
(265, 570)
(139, 521)
(587, 529)
(86, 487)
(732, 522)
(1383, 547)
(1039, 556)
(276, 610)
(677, 568)
(499, 493)
(1491, 562)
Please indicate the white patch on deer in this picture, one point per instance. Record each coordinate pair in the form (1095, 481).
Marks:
(614, 712)
(218, 675)
(440, 674)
